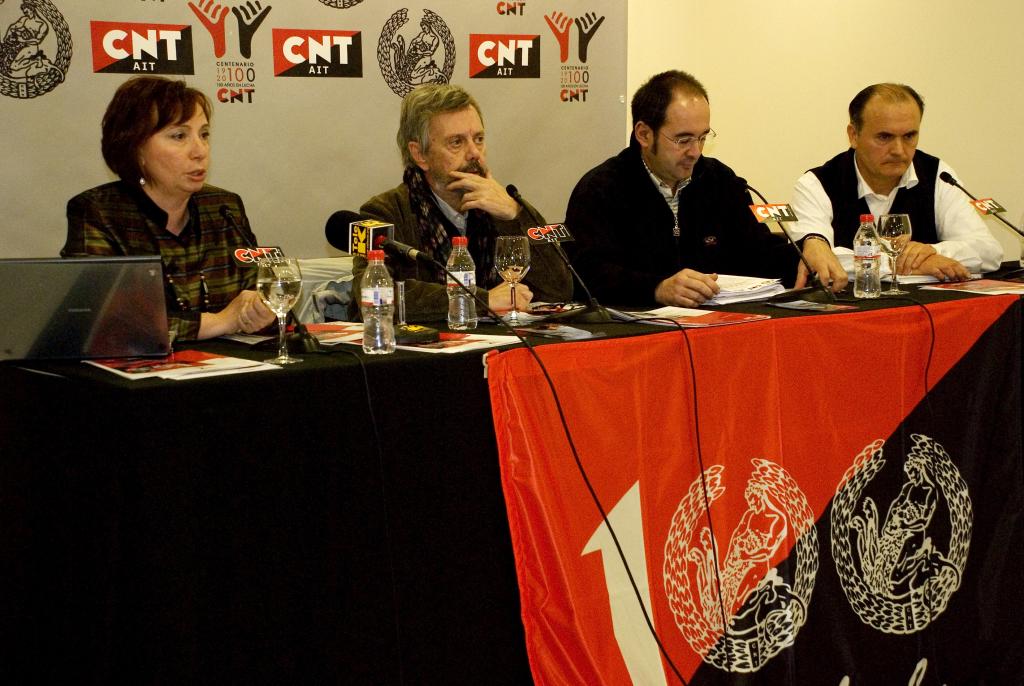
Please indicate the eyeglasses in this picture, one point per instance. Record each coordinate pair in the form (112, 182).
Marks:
(684, 142)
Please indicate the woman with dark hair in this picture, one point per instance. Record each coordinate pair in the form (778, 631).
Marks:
(156, 138)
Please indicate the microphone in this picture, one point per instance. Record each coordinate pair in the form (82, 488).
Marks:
(251, 254)
(403, 250)
(554, 234)
(225, 212)
(355, 233)
(948, 178)
(300, 340)
(337, 229)
(816, 283)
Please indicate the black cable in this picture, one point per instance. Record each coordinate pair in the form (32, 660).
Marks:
(931, 412)
(707, 504)
(931, 343)
(931, 351)
(384, 500)
(604, 516)
(579, 464)
(704, 492)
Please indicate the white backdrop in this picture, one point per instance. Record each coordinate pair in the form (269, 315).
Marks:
(298, 148)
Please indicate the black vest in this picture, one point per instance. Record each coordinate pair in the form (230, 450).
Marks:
(838, 177)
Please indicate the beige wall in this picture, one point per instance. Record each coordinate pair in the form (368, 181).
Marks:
(781, 74)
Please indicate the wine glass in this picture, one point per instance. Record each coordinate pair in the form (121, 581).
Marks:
(512, 260)
(894, 235)
(278, 282)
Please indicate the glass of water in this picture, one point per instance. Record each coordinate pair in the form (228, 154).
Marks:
(279, 282)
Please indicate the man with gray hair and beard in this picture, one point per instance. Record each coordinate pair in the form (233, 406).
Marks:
(448, 190)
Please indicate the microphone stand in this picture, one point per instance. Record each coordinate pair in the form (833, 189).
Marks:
(592, 312)
(816, 284)
(300, 340)
(948, 178)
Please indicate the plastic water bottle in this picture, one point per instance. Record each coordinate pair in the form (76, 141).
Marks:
(867, 258)
(461, 306)
(377, 303)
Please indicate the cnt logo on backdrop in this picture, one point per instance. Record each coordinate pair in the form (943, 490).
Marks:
(341, 4)
(511, 8)
(318, 53)
(236, 79)
(500, 56)
(406, 66)
(36, 50)
(575, 79)
(120, 47)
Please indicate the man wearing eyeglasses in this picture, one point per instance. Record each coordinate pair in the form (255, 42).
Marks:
(883, 172)
(659, 221)
(448, 190)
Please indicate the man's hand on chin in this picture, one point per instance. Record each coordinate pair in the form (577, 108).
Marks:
(484, 193)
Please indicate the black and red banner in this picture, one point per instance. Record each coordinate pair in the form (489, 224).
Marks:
(816, 500)
(497, 56)
(318, 53)
(141, 48)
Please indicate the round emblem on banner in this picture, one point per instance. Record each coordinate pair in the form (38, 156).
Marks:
(733, 607)
(341, 4)
(36, 50)
(406, 66)
(894, 561)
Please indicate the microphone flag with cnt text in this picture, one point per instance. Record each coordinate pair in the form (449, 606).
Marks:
(250, 255)
(552, 233)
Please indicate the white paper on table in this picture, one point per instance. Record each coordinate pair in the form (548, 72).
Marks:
(736, 289)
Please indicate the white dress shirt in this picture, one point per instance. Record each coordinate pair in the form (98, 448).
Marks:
(671, 196)
(963, 235)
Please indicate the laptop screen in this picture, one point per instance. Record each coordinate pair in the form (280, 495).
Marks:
(88, 307)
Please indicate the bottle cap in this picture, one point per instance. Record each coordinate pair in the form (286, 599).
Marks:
(375, 255)
(460, 241)
(867, 218)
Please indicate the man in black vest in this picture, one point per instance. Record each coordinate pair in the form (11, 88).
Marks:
(884, 172)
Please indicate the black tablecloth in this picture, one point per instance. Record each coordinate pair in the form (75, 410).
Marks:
(248, 528)
(264, 528)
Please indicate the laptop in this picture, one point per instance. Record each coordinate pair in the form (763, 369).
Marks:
(89, 307)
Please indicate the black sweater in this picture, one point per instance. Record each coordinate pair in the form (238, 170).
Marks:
(624, 245)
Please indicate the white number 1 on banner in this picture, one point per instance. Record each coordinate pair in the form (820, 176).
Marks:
(638, 648)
